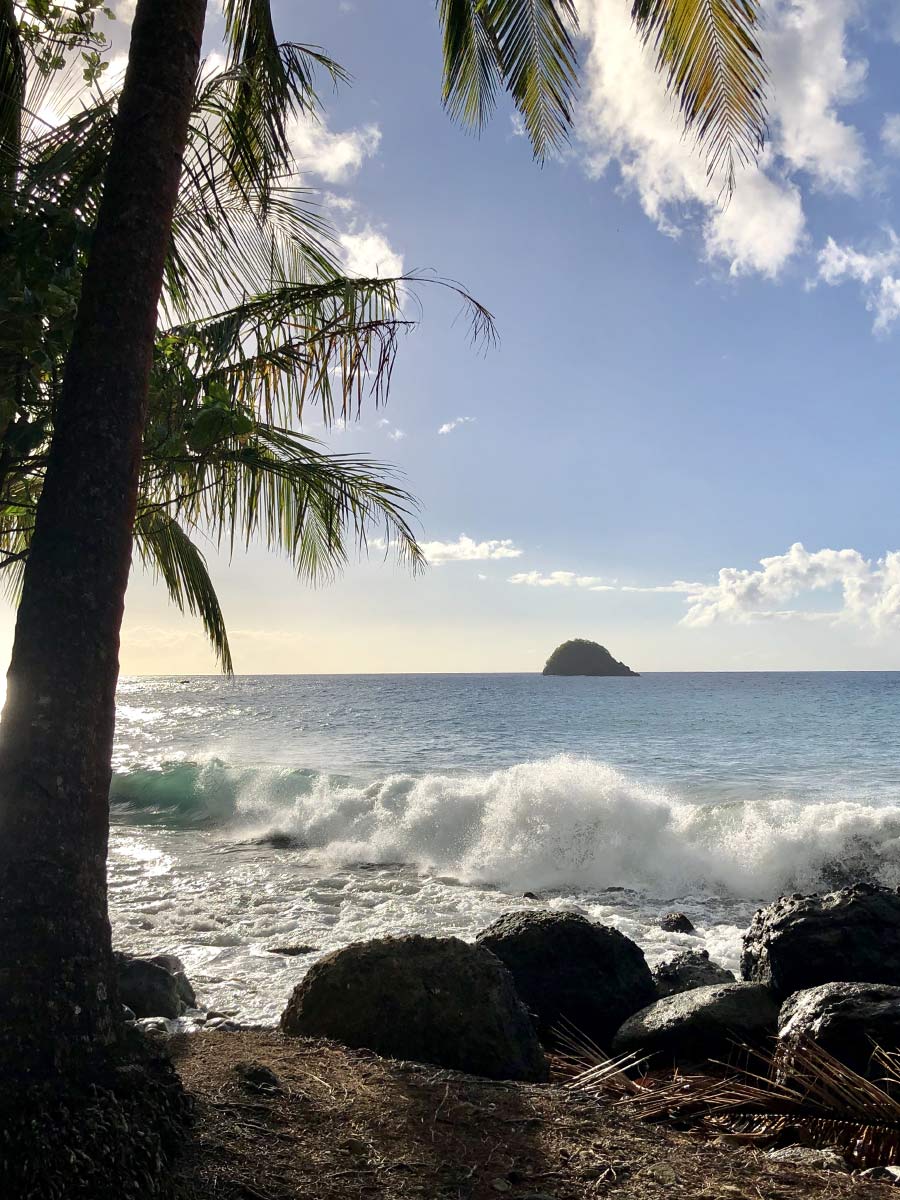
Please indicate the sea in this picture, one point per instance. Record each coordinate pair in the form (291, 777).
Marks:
(262, 812)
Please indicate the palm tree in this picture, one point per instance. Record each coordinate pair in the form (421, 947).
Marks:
(57, 1013)
(221, 456)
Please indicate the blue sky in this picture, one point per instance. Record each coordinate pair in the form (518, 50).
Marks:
(678, 390)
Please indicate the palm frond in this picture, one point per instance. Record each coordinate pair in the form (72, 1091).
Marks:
(12, 91)
(280, 488)
(327, 342)
(278, 80)
(709, 52)
(525, 45)
(798, 1093)
(166, 549)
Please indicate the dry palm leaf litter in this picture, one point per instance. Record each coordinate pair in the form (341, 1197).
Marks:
(279, 1118)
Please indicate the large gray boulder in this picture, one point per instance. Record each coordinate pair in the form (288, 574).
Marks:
(688, 970)
(801, 941)
(566, 966)
(153, 987)
(846, 1019)
(706, 1023)
(434, 1000)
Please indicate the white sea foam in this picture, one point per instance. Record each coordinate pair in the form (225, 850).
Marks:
(568, 822)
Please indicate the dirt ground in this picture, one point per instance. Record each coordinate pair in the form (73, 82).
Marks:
(340, 1124)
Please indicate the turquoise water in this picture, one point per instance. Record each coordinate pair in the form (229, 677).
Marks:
(434, 802)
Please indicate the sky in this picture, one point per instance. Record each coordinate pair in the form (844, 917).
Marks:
(685, 445)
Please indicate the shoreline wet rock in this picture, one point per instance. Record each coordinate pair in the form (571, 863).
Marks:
(432, 1000)
(801, 941)
(847, 1019)
(705, 1023)
(566, 967)
(686, 971)
(153, 987)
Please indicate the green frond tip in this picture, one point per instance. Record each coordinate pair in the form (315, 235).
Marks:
(709, 52)
(525, 46)
(166, 549)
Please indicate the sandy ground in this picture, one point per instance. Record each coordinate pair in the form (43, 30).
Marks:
(340, 1124)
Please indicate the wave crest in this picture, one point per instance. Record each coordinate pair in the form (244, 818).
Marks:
(563, 822)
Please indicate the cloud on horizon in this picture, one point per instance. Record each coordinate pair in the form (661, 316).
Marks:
(869, 589)
(565, 579)
(449, 426)
(466, 549)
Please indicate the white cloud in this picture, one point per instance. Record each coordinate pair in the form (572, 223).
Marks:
(449, 426)
(870, 590)
(565, 579)
(334, 157)
(397, 435)
(890, 133)
(626, 118)
(369, 254)
(877, 272)
(466, 549)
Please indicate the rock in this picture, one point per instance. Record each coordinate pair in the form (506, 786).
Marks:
(529, 896)
(688, 970)
(257, 1077)
(147, 988)
(581, 657)
(676, 922)
(565, 966)
(846, 1019)
(889, 1174)
(809, 1156)
(706, 1023)
(173, 964)
(801, 941)
(434, 1000)
(292, 951)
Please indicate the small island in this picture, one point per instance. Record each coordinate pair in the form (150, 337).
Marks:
(581, 657)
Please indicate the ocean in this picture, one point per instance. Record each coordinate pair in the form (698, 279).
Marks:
(266, 811)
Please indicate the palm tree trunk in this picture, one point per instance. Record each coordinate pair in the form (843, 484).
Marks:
(57, 993)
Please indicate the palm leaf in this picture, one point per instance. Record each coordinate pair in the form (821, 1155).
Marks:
(165, 547)
(12, 91)
(709, 52)
(527, 46)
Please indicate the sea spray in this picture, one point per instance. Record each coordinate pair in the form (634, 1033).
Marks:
(562, 822)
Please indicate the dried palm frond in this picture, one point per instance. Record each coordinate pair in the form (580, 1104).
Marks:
(799, 1094)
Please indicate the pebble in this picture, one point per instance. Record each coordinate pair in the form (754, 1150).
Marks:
(501, 1185)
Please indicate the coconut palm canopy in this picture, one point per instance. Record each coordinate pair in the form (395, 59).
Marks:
(258, 321)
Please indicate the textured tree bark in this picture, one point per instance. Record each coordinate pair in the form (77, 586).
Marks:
(57, 993)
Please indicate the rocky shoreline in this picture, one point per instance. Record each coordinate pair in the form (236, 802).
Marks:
(818, 968)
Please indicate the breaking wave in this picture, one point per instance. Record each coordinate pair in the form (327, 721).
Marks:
(562, 822)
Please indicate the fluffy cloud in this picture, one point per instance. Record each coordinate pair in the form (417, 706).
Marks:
(878, 274)
(334, 157)
(369, 254)
(890, 133)
(627, 119)
(566, 579)
(870, 590)
(466, 549)
(449, 426)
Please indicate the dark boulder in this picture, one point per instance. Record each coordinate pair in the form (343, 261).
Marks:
(706, 1023)
(688, 970)
(581, 657)
(148, 988)
(846, 1019)
(676, 922)
(434, 1000)
(801, 941)
(175, 967)
(566, 966)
